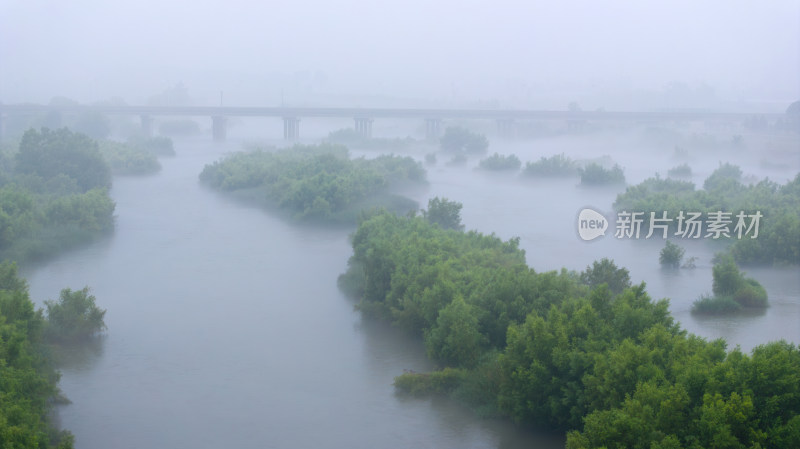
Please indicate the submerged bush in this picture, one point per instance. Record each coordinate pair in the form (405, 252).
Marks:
(558, 165)
(499, 162)
(712, 305)
(751, 294)
(680, 171)
(596, 174)
(422, 384)
(671, 255)
(317, 182)
(461, 140)
(732, 291)
(75, 316)
(445, 213)
(125, 159)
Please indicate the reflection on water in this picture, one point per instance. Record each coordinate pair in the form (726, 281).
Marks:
(226, 329)
(80, 356)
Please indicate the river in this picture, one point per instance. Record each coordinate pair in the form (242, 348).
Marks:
(226, 328)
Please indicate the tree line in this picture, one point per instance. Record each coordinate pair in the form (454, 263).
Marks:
(587, 353)
(53, 194)
(778, 240)
(316, 182)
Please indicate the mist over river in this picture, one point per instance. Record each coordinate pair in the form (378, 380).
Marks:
(226, 327)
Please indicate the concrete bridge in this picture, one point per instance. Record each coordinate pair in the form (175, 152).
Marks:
(364, 117)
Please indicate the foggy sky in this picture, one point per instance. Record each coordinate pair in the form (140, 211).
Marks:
(505, 53)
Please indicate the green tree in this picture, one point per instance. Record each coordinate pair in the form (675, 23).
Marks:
(606, 272)
(75, 316)
(456, 339)
(727, 277)
(498, 162)
(671, 255)
(445, 213)
(48, 153)
(461, 140)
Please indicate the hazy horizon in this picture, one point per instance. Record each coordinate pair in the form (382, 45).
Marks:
(614, 55)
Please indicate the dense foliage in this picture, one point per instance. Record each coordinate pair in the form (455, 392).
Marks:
(49, 153)
(125, 159)
(553, 166)
(546, 349)
(74, 317)
(732, 290)
(320, 183)
(463, 141)
(680, 171)
(671, 255)
(27, 377)
(499, 162)
(605, 271)
(778, 240)
(595, 174)
(53, 195)
(444, 213)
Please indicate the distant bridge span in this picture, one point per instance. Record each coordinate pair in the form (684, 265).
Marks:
(364, 116)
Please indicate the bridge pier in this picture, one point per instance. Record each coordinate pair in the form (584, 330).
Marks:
(291, 128)
(218, 128)
(147, 125)
(432, 128)
(506, 128)
(364, 126)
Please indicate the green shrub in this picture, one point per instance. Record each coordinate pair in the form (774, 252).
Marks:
(444, 213)
(75, 316)
(680, 171)
(751, 294)
(558, 165)
(422, 384)
(28, 380)
(727, 277)
(498, 162)
(731, 287)
(671, 255)
(595, 174)
(714, 305)
(317, 182)
(49, 153)
(605, 271)
(723, 177)
(461, 140)
(778, 239)
(125, 159)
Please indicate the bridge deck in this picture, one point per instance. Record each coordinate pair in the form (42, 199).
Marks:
(499, 114)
